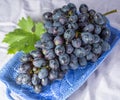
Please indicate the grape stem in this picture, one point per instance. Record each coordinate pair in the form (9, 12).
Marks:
(110, 12)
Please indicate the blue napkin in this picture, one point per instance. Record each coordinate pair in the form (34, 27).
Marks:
(59, 89)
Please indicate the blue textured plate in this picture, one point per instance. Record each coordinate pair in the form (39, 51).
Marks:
(59, 89)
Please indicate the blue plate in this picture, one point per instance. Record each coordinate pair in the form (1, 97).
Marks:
(59, 89)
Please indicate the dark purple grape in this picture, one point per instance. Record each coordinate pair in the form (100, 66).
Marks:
(99, 19)
(36, 54)
(63, 20)
(96, 38)
(73, 18)
(105, 34)
(87, 48)
(83, 61)
(83, 17)
(83, 8)
(80, 52)
(64, 68)
(88, 28)
(38, 44)
(24, 68)
(74, 62)
(48, 24)
(47, 16)
(47, 45)
(65, 9)
(50, 54)
(26, 58)
(69, 48)
(94, 58)
(90, 56)
(59, 50)
(53, 75)
(87, 37)
(37, 88)
(105, 46)
(54, 64)
(64, 59)
(69, 34)
(57, 24)
(98, 29)
(44, 81)
(72, 8)
(91, 12)
(43, 73)
(35, 79)
(73, 26)
(26, 79)
(58, 40)
(76, 43)
(39, 62)
(97, 49)
(57, 14)
(46, 37)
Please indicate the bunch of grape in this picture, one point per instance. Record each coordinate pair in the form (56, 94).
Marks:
(72, 39)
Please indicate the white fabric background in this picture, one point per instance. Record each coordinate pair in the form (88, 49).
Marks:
(104, 83)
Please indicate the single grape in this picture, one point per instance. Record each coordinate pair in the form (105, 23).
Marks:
(63, 20)
(58, 40)
(53, 75)
(88, 28)
(94, 58)
(83, 61)
(83, 8)
(47, 16)
(65, 9)
(96, 38)
(57, 14)
(64, 68)
(80, 52)
(50, 54)
(97, 49)
(59, 50)
(91, 12)
(26, 58)
(43, 73)
(61, 75)
(39, 62)
(48, 24)
(72, 8)
(19, 78)
(83, 17)
(26, 79)
(87, 37)
(64, 59)
(73, 18)
(87, 48)
(105, 34)
(74, 62)
(69, 48)
(35, 79)
(36, 54)
(38, 44)
(37, 88)
(46, 37)
(98, 29)
(72, 26)
(90, 56)
(44, 81)
(24, 68)
(76, 43)
(54, 64)
(47, 45)
(57, 24)
(99, 19)
(105, 46)
(69, 34)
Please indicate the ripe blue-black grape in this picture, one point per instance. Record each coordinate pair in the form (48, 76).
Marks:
(69, 34)
(44, 81)
(59, 50)
(36, 54)
(43, 73)
(105, 34)
(46, 37)
(98, 29)
(50, 54)
(97, 49)
(53, 75)
(83, 8)
(64, 59)
(26, 58)
(35, 80)
(39, 62)
(88, 28)
(80, 52)
(73, 18)
(87, 37)
(69, 48)
(24, 67)
(76, 43)
(54, 64)
(83, 61)
(58, 40)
